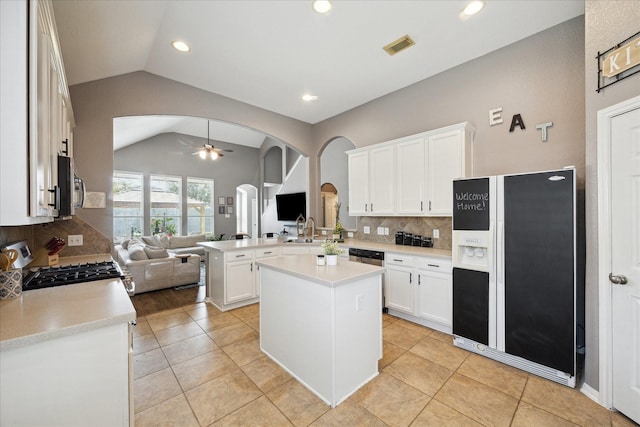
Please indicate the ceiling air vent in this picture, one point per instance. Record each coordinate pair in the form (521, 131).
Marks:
(398, 45)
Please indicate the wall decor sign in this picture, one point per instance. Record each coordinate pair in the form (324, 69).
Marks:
(229, 200)
(495, 118)
(619, 62)
(221, 200)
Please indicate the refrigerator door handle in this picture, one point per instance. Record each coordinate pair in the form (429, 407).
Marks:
(500, 253)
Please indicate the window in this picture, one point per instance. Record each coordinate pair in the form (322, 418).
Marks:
(200, 207)
(128, 206)
(165, 200)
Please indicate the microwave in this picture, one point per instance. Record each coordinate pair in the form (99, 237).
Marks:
(71, 188)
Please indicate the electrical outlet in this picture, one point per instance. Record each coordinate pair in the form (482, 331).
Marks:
(436, 233)
(366, 229)
(380, 231)
(324, 232)
(386, 231)
(349, 233)
(74, 239)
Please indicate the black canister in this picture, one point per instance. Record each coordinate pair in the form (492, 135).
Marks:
(408, 239)
(427, 242)
(399, 237)
(417, 240)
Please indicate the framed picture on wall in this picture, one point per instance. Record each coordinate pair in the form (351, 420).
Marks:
(229, 200)
(221, 200)
(230, 210)
(221, 210)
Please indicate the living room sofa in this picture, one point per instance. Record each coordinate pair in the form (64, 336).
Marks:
(161, 262)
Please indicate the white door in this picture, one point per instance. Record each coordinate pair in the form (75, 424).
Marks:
(625, 262)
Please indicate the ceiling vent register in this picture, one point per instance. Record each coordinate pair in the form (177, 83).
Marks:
(399, 45)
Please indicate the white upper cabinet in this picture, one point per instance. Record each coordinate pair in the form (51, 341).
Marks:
(410, 172)
(359, 183)
(371, 182)
(449, 158)
(382, 179)
(410, 176)
(36, 112)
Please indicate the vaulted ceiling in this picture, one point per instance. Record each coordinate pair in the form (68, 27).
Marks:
(269, 53)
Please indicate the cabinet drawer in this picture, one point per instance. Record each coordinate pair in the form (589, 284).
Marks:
(433, 264)
(397, 259)
(238, 255)
(267, 252)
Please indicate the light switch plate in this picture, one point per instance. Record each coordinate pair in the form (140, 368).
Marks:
(436, 233)
(366, 229)
(380, 231)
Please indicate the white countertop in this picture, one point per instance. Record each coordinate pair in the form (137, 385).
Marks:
(231, 245)
(43, 314)
(304, 267)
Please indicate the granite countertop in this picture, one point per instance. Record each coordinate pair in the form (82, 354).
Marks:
(230, 245)
(304, 267)
(43, 314)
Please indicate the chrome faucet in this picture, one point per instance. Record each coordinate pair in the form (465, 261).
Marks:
(313, 227)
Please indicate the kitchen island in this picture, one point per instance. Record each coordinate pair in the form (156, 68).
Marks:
(323, 324)
(65, 355)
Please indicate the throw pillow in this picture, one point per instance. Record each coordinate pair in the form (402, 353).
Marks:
(156, 252)
(165, 242)
(152, 241)
(137, 253)
(125, 243)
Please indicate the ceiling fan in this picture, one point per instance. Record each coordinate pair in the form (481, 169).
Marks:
(208, 150)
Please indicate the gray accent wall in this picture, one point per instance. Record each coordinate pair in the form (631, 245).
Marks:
(172, 154)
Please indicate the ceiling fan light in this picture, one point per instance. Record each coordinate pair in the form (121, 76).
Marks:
(202, 154)
(214, 155)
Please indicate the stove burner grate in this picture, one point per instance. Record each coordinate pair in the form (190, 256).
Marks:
(47, 277)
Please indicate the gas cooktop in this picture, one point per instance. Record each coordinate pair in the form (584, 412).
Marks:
(47, 277)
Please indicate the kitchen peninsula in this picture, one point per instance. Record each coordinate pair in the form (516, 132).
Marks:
(321, 323)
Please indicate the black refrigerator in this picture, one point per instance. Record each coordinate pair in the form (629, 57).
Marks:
(514, 270)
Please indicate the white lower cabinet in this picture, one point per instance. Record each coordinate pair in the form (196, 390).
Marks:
(240, 282)
(232, 276)
(399, 283)
(419, 289)
(434, 296)
(80, 379)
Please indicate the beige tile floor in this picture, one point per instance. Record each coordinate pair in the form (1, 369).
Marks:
(197, 366)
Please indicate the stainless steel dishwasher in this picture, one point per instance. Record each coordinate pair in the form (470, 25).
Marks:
(369, 257)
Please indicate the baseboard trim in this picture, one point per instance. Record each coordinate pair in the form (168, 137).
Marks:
(591, 393)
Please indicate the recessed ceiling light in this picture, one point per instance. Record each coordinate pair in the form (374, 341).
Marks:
(181, 46)
(322, 6)
(473, 7)
(307, 97)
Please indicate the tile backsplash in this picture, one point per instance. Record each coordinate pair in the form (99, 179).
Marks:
(423, 226)
(38, 235)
